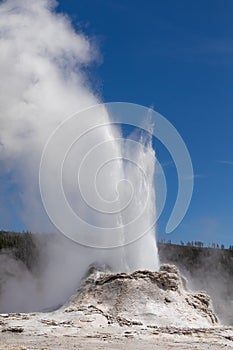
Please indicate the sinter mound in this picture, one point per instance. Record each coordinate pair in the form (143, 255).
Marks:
(143, 297)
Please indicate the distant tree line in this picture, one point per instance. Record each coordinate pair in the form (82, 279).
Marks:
(21, 245)
(198, 244)
(24, 246)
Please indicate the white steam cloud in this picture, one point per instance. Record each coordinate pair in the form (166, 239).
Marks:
(42, 69)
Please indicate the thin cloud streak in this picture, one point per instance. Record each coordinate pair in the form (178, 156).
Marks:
(226, 162)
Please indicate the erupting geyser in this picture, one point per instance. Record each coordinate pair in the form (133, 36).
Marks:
(104, 188)
(108, 182)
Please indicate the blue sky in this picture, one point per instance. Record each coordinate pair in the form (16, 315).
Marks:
(178, 57)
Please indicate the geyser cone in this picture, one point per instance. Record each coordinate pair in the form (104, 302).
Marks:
(142, 297)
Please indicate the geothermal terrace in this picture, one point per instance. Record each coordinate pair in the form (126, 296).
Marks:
(122, 311)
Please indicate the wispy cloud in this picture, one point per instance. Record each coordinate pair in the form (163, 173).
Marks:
(226, 162)
(168, 164)
(195, 176)
(199, 176)
(219, 46)
(206, 50)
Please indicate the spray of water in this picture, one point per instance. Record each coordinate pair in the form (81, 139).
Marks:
(42, 65)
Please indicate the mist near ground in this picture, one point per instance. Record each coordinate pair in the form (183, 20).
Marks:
(217, 282)
(53, 274)
(50, 281)
(206, 269)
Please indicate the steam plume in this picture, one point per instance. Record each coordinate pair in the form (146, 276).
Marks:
(42, 65)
